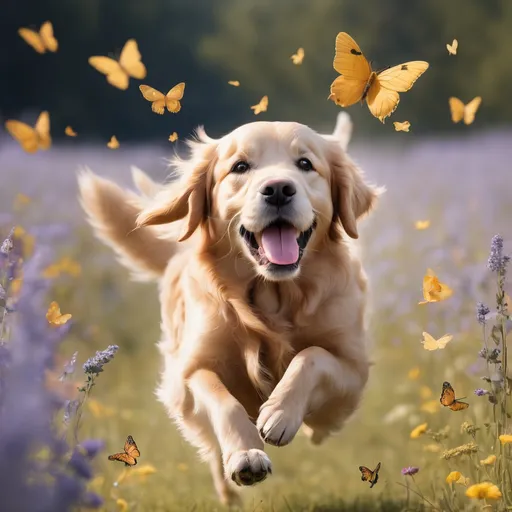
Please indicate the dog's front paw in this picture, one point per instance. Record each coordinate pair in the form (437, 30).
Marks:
(248, 467)
(278, 424)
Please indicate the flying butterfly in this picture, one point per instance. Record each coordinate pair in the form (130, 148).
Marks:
(234, 83)
(298, 57)
(358, 82)
(430, 343)
(42, 40)
(118, 73)
(55, 317)
(159, 101)
(433, 289)
(130, 454)
(173, 137)
(370, 476)
(261, 106)
(467, 112)
(448, 398)
(452, 48)
(31, 139)
(402, 127)
(422, 224)
(70, 132)
(113, 143)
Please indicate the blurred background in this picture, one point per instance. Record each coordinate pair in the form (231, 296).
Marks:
(457, 177)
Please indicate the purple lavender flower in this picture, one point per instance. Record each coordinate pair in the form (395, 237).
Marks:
(410, 471)
(94, 365)
(481, 311)
(481, 392)
(91, 447)
(497, 262)
(7, 244)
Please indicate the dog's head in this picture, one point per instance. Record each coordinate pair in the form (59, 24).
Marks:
(276, 191)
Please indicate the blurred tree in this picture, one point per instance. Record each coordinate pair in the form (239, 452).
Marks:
(208, 42)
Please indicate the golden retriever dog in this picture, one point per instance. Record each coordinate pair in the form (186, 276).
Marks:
(262, 296)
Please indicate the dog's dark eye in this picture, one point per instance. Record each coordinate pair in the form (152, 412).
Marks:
(240, 167)
(304, 164)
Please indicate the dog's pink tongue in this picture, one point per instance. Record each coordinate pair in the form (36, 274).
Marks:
(280, 245)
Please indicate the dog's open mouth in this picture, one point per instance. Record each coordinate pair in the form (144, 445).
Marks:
(279, 244)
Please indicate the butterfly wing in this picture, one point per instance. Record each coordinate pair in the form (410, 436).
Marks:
(470, 110)
(123, 457)
(382, 102)
(402, 127)
(444, 340)
(456, 109)
(70, 132)
(130, 447)
(116, 75)
(366, 473)
(130, 60)
(42, 129)
(173, 97)
(429, 342)
(447, 395)
(261, 106)
(234, 83)
(113, 143)
(33, 39)
(375, 476)
(156, 97)
(402, 77)
(350, 62)
(458, 406)
(47, 37)
(24, 134)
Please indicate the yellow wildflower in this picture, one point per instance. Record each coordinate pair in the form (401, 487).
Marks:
(432, 406)
(485, 490)
(20, 200)
(432, 448)
(414, 373)
(488, 461)
(419, 430)
(144, 470)
(27, 240)
(505, 438)
(453, 477)
(122, 505)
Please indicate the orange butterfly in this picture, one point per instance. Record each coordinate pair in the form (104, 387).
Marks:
(448, 398)
(131, 452)
(370, 476)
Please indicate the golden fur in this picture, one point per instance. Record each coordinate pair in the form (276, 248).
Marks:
(250, 354)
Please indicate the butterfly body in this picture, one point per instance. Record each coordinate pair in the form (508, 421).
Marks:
(358, 82)
(130, 454)
(367, 475)
(448, 398)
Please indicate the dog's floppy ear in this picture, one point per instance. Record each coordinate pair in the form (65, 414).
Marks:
(188, 197)
(351, 196)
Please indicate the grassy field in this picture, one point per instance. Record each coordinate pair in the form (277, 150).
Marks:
(461, 185)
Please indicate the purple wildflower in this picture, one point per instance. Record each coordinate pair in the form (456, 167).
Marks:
(497, 262)
(80, 465)
(91, 447)
(481, 312)
(481, 392)
(94, 365)
(410, 471)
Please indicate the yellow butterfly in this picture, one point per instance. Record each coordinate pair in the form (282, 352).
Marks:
(422, 224)
(158, 101)
(173, 137)
(430, 343)
(467, 112)
(452, 48)
(119, 73)
(31, 139)
(402, 127)
(358, 82)
(55, 317)
(234, 83)
(298, 57)
(131, 452)
(113, 143)
(70, 132)
(433, 289)
(42, 40)
(261, 106)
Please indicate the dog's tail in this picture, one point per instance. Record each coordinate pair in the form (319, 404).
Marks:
(112, 212)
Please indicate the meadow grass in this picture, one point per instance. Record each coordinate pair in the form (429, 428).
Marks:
(461, 186)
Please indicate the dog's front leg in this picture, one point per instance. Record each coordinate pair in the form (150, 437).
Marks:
(318, 389)
(243, 457)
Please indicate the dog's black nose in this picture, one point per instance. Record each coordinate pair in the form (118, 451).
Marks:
(278, 192)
